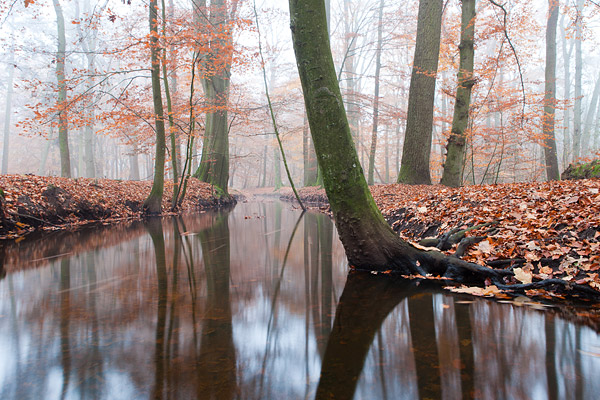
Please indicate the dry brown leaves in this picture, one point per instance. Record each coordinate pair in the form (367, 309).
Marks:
(550, 229)
(546, 229)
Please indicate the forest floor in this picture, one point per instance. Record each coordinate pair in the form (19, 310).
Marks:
(29, 202)
(541, 230)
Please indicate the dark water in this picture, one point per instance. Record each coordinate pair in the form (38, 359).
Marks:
(257, 304)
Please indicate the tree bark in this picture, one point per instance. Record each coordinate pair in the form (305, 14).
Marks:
(152, 204)
(578, 70)
(586, 145)
(419, 122)
(376, 95)
(350, 69)
(63, 122)
(453, 167)
(277, 168)
(552, 172)
(566, 55)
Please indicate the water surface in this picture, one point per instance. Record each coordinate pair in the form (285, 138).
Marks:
(257, 303)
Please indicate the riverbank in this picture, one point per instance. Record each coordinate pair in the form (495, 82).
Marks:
(29, 202)
(549, 230)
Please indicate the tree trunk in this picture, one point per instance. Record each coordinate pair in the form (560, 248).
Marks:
(376, 95)
(47, 145)
(453, 166)
(88, 42)
(152, 204)
(552, 173)
(214, 163)
(7, 115)
(63, 122)
(264, 169)
(419, 122)
(350, 67)
(134, 164)
(578, 68)
(166, 83)
(277, 168)
(589, 120)
(311, 169)
(566, 55)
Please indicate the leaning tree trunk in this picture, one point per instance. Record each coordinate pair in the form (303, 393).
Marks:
(152, 204)
(376, 95)
(552, 172)
(453, 166)
(63, 123)
(419, 118)
(369, 241)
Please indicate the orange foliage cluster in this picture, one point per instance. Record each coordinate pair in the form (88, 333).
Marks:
(51, 202)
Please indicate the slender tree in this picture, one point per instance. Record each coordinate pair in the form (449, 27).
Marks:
(566, 56)
(152, 204)
(63, 122)
(419, 120)
(552, 172)
(586, 145)
(578, 72)
(7, 115)
(88, 40)
(453, 167)
(376, 95)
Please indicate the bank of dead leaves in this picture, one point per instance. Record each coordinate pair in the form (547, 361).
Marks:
(540, 230)
(30, 202)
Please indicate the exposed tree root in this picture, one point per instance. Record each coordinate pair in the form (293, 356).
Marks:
(555, 286)
(452, 267)
(452, 237)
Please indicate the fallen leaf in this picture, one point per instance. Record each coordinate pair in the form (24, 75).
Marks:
(485, 247)
(522, 276)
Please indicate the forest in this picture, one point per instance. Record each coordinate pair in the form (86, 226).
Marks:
(328, 199)
(166, 96)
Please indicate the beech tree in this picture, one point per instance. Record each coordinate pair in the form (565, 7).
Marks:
(419, 120)
(453, 167)
(376, 95)
(552, 172)
(63, 123)
(214, 164)
(153, 202)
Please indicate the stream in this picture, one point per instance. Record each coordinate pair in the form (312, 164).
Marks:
(257, 303)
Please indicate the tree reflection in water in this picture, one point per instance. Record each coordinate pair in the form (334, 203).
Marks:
(217, 361)
(257, 304)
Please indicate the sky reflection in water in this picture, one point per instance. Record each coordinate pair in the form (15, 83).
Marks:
(257, 304)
